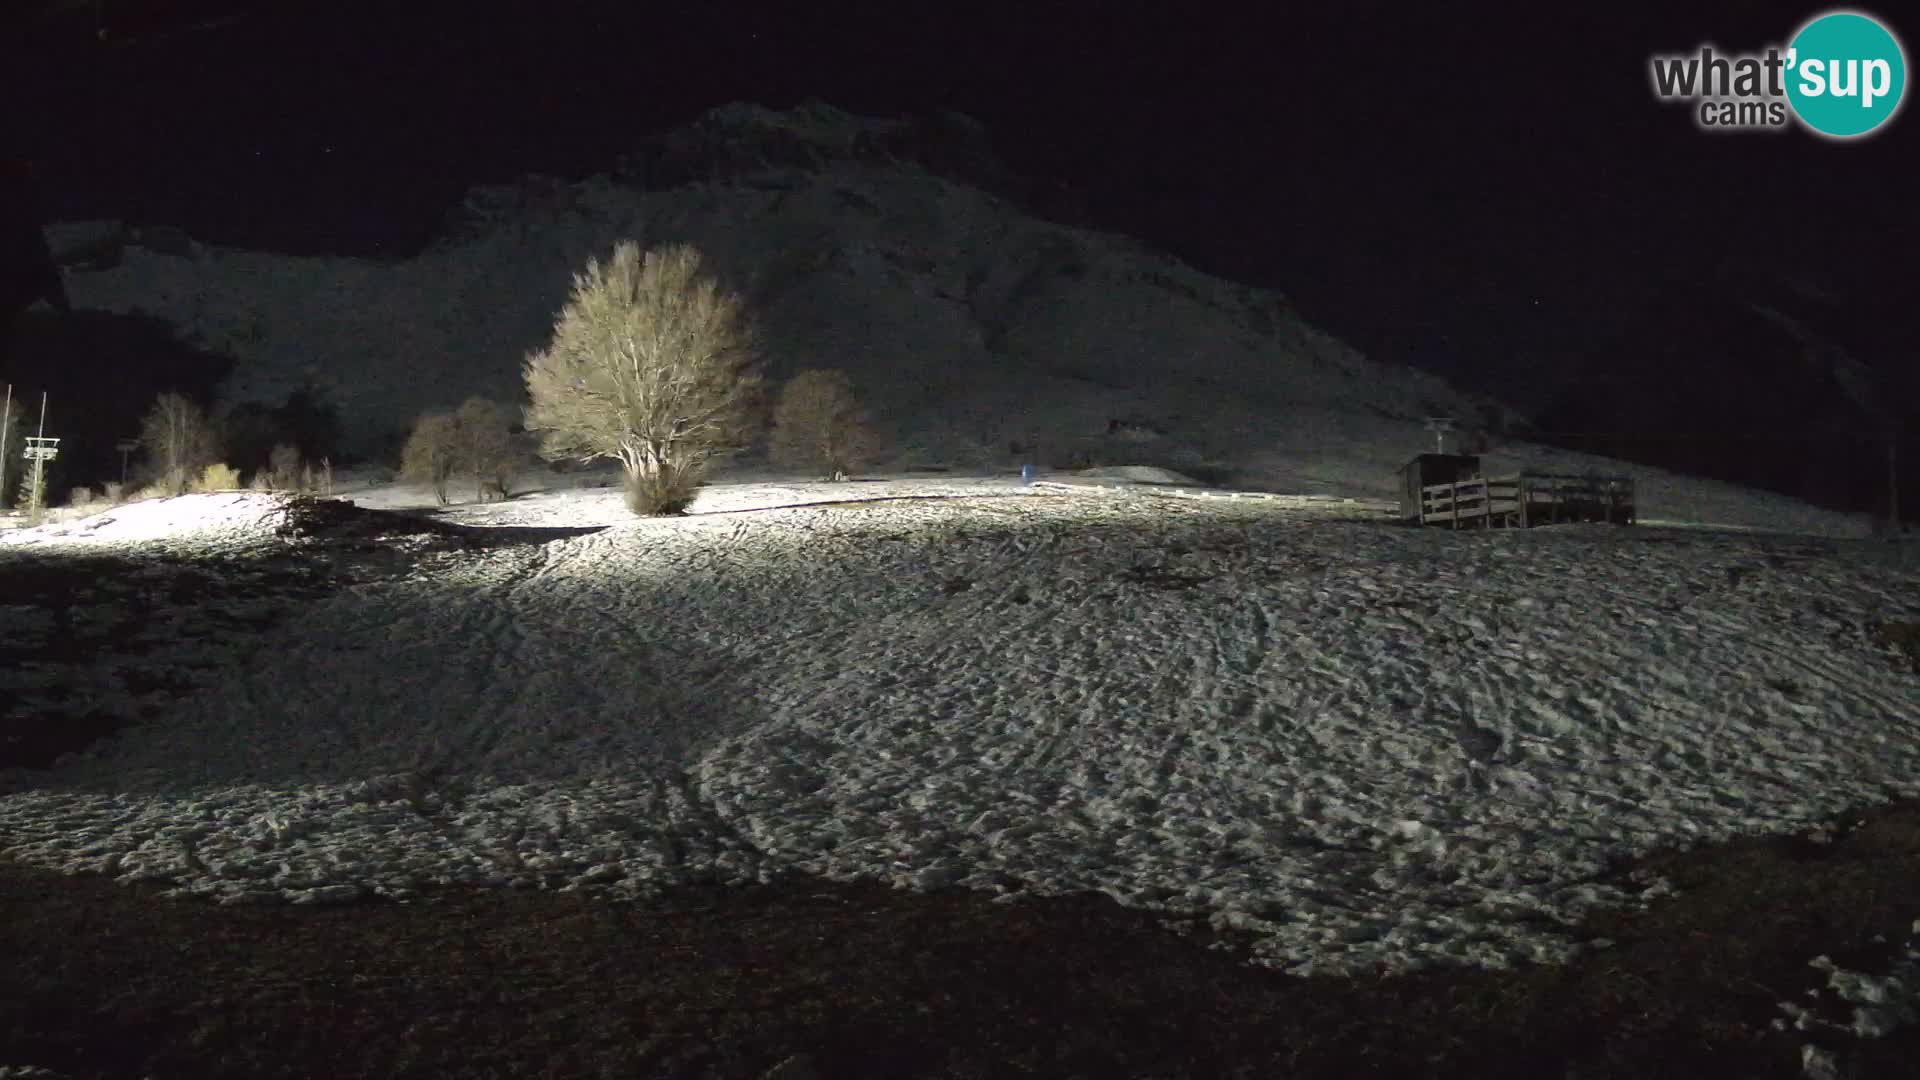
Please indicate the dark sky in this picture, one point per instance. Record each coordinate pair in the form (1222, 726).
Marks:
(1443, 184)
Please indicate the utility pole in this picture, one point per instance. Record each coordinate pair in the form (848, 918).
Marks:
(39, 494)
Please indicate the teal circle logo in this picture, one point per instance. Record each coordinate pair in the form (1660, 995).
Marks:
(1846, 74)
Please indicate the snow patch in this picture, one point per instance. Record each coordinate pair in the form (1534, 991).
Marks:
(1138, 474)
(1875, 1005)
(222, 519)
(1366, 746)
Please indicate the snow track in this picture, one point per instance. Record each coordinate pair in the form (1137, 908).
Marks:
(1366, 744)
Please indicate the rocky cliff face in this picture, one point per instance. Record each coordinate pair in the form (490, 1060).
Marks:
(971, 325)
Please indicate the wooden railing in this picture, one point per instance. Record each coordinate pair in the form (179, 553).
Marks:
(1527, 499)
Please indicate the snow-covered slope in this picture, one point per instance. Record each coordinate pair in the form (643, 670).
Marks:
(1366, 745)
(982, 337)
(970, 325)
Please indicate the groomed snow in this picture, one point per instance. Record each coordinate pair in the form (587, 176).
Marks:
(1369, 746)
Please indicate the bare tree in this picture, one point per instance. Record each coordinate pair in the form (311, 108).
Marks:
(178, 442)
(652, 364)
(13, 441)
(485, 446)
(432, 451)
(284, 467)
(819, 421)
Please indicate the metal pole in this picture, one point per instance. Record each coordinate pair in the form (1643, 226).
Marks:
(40, 466)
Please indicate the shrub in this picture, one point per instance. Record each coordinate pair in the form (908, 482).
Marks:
(218, 477)
(178, 441)
(431, 452)
(651, 363)
(285, 467)
(663, 491)
(474, 439)
(116, 492)
(485, 446)
(819, 421)
(80, 496)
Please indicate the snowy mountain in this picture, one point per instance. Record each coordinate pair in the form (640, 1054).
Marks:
(973, 327)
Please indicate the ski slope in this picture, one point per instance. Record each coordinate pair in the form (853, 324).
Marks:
(1367, 746)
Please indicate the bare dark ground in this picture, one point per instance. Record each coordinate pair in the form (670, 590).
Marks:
(101, 980)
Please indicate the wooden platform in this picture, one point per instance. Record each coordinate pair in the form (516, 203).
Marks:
(1526, 499)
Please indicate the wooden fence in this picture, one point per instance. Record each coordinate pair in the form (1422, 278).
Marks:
(1526, 499)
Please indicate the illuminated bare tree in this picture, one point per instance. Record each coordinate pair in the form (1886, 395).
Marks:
(178, 442)
(485, 448)
(284, 467)
(819, 421)
(431, 452)
(651, 364)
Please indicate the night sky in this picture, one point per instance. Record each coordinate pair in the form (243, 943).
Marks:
(1491, 194)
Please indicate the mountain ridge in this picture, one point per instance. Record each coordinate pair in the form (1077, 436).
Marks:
(971, 324)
